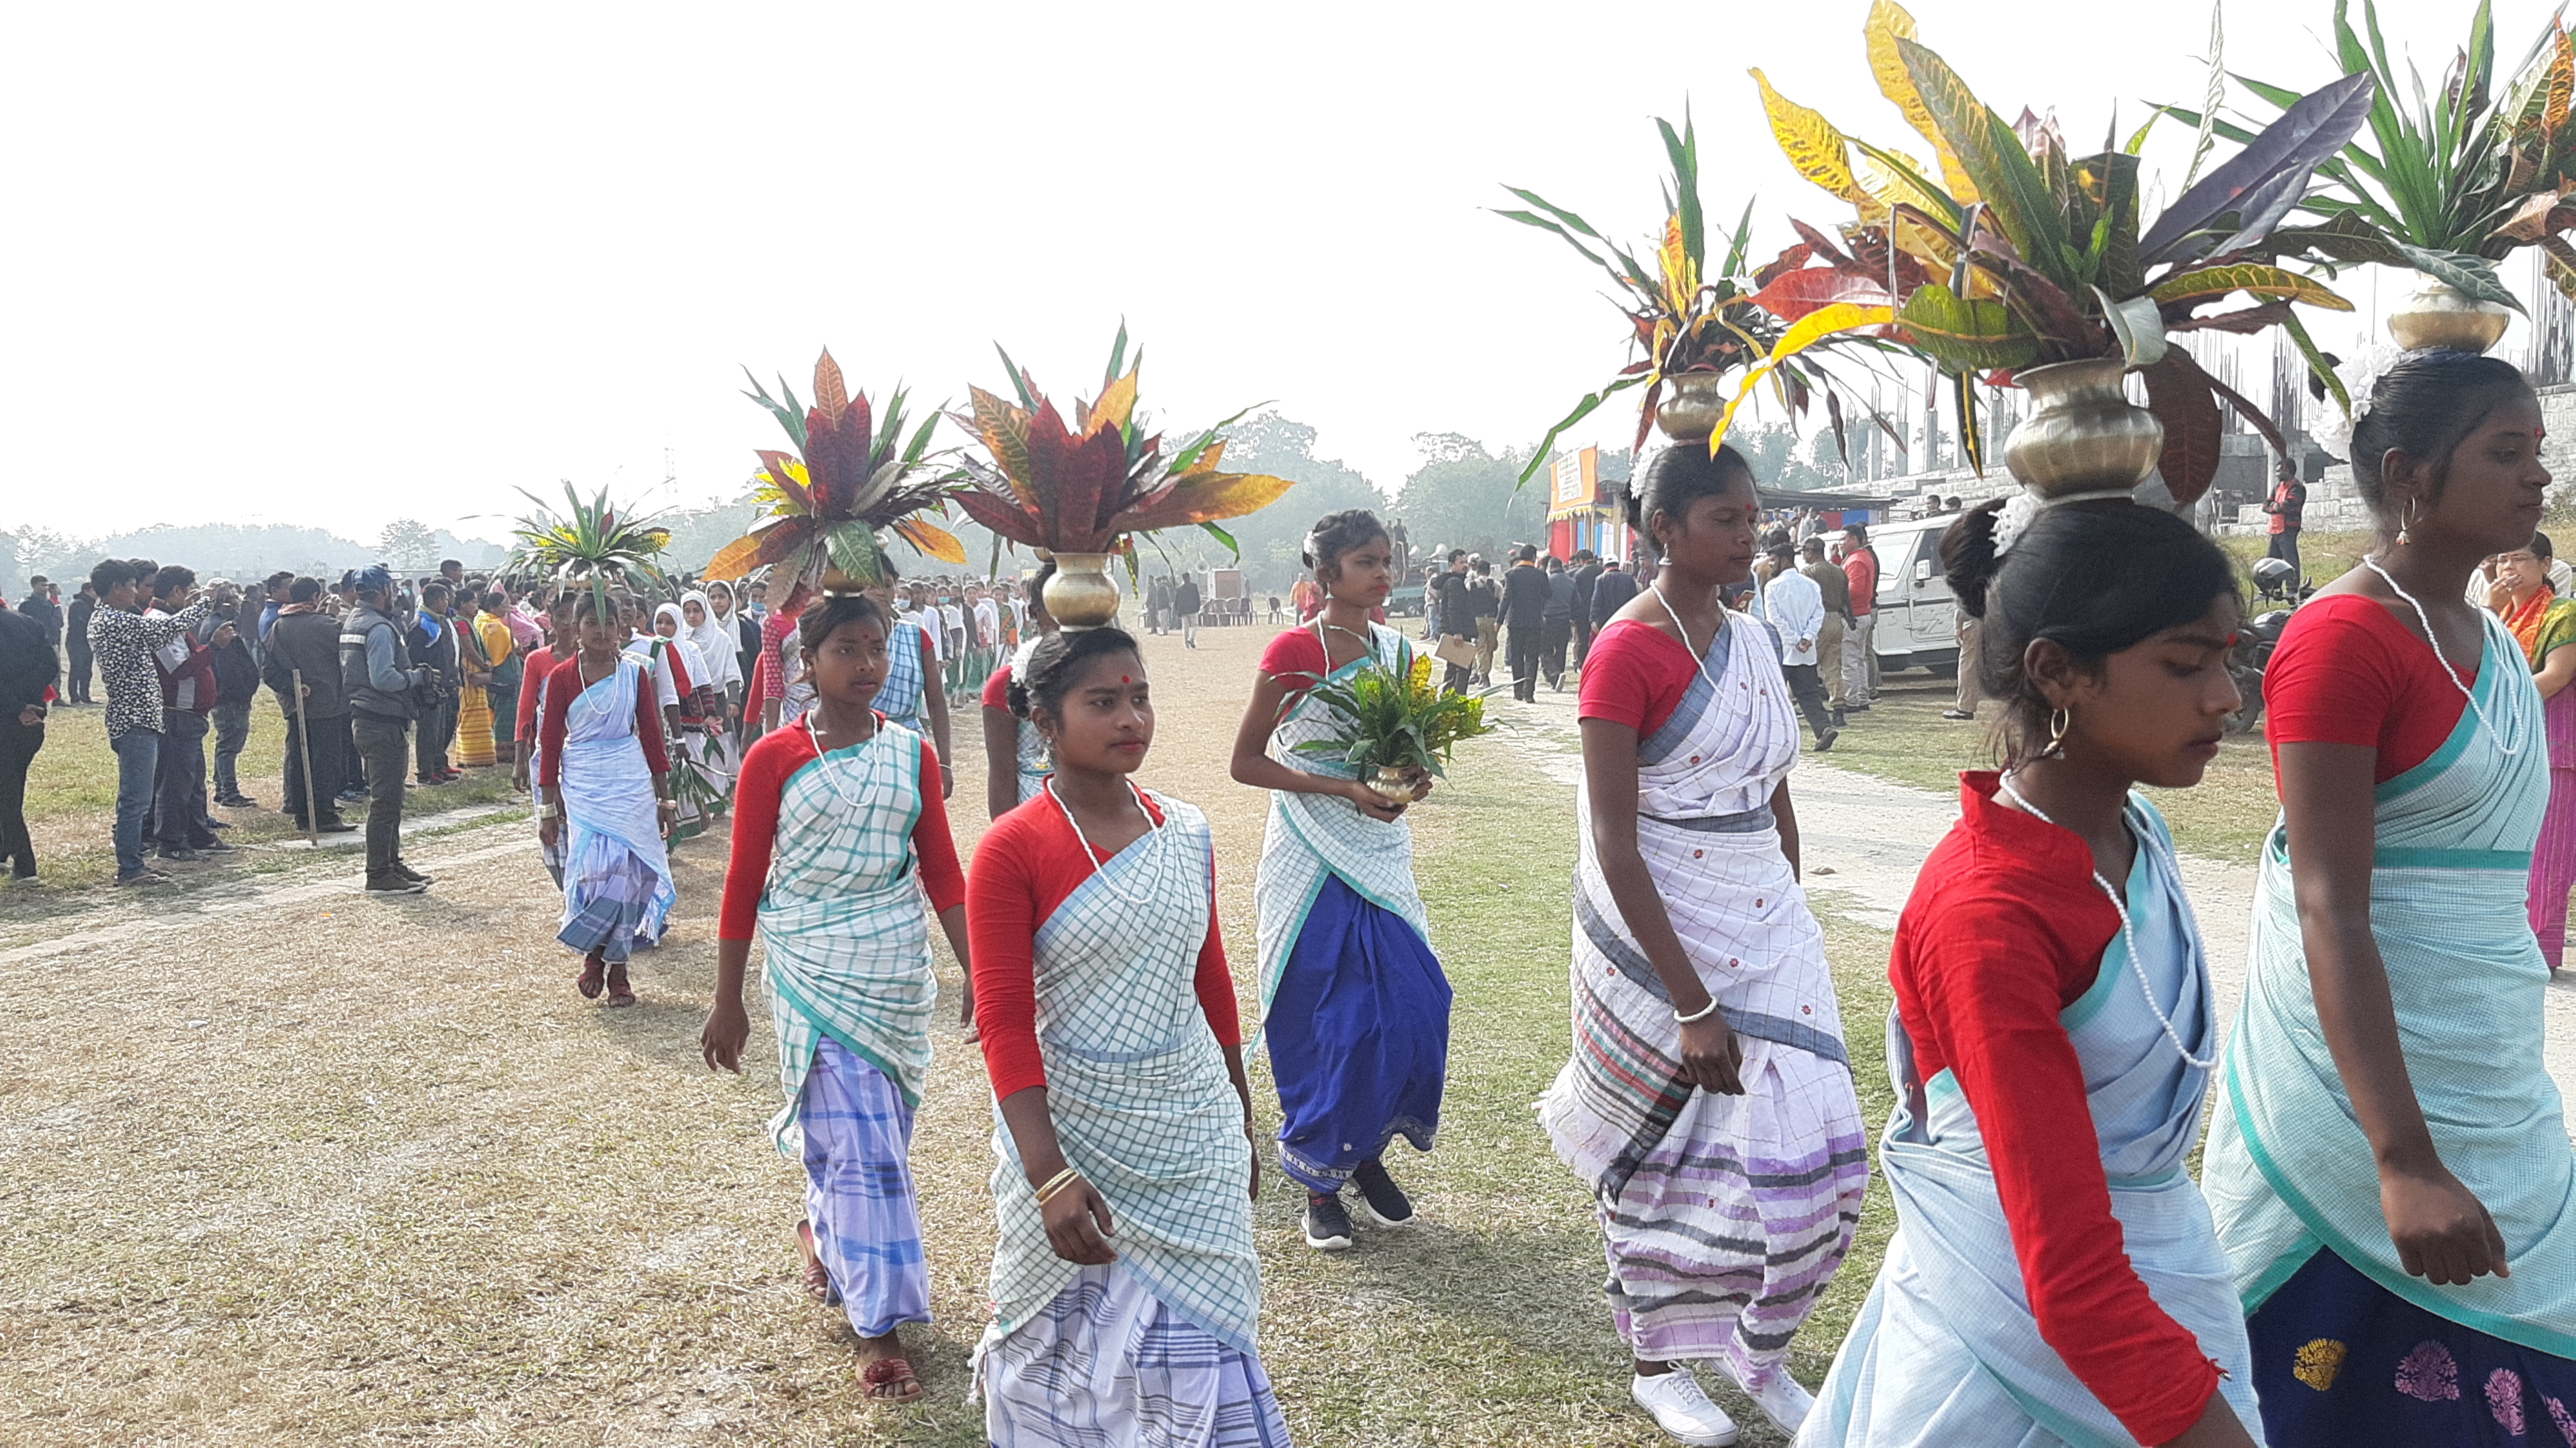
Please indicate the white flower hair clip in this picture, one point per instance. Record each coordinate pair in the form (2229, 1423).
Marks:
(2014, 517)
(2334, 431)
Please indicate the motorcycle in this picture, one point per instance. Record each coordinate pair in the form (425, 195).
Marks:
(2246, 662)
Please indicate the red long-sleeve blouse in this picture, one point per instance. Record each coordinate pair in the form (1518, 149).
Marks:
(1025, 866)
(2005, 930)
(765, 771)
(562, 687)
(532, 678)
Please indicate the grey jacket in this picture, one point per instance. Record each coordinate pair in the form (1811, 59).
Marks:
(375, 665)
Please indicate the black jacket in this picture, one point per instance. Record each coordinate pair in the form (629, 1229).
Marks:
(1185, 599)
(27, 664)
(1457, 617)
(41, 608)
(1584, 577)
(1525, 593)
(1610, 593)
(236, 673)
(311, 642)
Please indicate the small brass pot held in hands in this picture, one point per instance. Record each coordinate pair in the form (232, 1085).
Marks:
(1396, 784)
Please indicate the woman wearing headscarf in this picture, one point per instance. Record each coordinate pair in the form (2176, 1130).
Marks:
(716, 646)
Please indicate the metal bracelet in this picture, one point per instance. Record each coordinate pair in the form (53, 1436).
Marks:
(1056, 1184)
(1703, 1013)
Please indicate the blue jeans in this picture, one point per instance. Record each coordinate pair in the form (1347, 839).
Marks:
(138, 752)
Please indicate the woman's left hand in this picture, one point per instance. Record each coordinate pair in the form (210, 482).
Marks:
(1421, 785)
(668, 814)
(1252, 1137)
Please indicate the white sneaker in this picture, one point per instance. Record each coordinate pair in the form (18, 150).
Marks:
(1781, 1400)
(1674, 1399)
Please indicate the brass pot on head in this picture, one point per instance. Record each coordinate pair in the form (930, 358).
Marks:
(2437, 314)
(1691, 404)
(2084, 437)
(1082, 594)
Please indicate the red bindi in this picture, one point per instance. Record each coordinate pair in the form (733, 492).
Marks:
(1122, 678)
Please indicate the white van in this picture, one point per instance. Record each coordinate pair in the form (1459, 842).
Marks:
(1918, 621)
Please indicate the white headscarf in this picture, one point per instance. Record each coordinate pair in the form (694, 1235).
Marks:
(718, 644)
(691, 660)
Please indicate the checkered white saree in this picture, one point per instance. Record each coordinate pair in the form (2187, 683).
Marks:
(1312, 836)
(843, 927)
(1140, 1096)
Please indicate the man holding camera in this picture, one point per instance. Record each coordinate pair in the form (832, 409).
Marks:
(383, 687)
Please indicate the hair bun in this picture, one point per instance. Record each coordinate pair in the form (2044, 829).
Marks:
(1968, 556)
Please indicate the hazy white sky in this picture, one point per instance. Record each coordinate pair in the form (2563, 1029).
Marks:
(337, 264)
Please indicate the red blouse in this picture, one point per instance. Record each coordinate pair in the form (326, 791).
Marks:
(562, 687)
(2347, 672)
(766, 768)
(532, 679)
(997, 689)
(1635, 675)
(1025, 866)
(2005, 930)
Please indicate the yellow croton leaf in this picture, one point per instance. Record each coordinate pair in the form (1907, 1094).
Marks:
(1817, 326)
(1421, 678)
(932, 539)
(1811, 143)
(1887, 24)
(1681, 274)
(1207, 461)
(1113, 407)
(734, 559)
(1209, 497)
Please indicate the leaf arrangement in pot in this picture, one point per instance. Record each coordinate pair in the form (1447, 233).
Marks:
(592, 544)
(1398, 725)
(857, 474)
(2451, 184)
(1693, 324)
(1082, 494)
(2023, 264)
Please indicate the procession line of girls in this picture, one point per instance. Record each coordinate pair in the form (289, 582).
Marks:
(2380, 1248)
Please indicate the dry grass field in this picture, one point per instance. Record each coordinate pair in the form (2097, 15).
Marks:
(284, 1165)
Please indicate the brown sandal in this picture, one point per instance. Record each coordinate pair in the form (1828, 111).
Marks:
(590, 981)
(619, 992)
(818, 1278)
(891, 1380)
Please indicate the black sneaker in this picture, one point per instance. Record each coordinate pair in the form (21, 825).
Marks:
(1327, 1226)
(390, 884)
(182, 854)
(214, 847)
(1825, 741)
(1386, 1203)
(408, 873)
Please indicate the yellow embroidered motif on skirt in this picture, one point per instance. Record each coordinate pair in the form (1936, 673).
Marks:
(2318, 1362)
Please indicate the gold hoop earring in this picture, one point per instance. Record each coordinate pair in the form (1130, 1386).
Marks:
(2058, 720)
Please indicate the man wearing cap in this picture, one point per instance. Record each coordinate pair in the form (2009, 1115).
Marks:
(380, 681)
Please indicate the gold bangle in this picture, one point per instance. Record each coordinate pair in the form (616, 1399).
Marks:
(1056, 1184)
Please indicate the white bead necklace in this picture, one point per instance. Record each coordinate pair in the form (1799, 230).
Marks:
(2128, 935)
(1098, 867)
(2508, 750)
